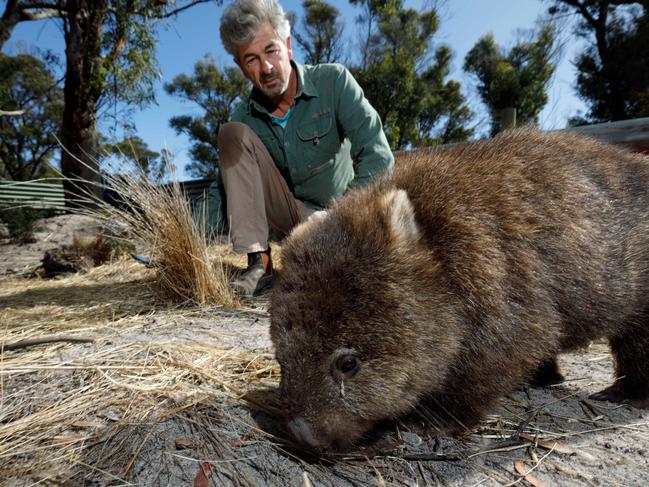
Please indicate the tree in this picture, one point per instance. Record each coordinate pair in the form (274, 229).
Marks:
(134, 151)
(515, 79)
(613, 69)
(108, 44)
(368, 21)
(216, 92)
(445, 117)
(321, 39)
(401, 81)
(28, 137)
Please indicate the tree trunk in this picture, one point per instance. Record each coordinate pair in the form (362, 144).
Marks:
(83, 87)
(507, 118)
(10, 17)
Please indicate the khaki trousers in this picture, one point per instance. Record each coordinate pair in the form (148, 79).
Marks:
(257, 194)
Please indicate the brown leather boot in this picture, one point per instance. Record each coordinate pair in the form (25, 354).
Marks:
(256, 277)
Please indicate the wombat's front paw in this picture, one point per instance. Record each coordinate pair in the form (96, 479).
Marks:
(617, 394)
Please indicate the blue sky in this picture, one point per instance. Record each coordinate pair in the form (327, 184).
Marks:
(195, 33)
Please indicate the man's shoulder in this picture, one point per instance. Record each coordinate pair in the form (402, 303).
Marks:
(324, 70)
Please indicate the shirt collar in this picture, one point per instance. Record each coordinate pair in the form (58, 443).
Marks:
(304, 85)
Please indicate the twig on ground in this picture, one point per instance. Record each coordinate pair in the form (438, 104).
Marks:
(32, 342)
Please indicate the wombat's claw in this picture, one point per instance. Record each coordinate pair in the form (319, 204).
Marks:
(615, 394)
(638, 403)
(612, 394)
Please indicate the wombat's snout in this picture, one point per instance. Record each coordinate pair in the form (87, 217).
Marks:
(302, 431)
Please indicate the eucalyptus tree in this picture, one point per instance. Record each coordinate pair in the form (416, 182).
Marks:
(613, 68)
(215, 92)
(321, 32)
(515, 78)
(109, 58)
(405, 80)
(32, 104)
(135, 152)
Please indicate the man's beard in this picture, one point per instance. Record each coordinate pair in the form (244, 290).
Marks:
(277, 90)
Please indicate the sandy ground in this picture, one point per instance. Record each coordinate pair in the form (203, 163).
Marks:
(550, 436)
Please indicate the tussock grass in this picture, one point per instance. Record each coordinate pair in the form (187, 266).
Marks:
(102, 248)
(160, 218)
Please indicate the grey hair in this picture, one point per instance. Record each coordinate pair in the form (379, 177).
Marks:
(243, 18)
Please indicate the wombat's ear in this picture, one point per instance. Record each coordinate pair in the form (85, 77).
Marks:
(400, 216)
(310, 223)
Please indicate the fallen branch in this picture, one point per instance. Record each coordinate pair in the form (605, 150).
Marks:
(11, 113)
(30, 342)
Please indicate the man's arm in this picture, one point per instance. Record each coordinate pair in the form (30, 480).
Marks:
(362, 126)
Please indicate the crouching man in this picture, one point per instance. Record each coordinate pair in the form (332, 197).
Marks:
(303, 136)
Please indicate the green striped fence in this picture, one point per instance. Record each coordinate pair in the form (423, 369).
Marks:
(34, 194)
(206, 197)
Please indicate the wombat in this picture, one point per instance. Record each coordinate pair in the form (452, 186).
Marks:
(460, 276)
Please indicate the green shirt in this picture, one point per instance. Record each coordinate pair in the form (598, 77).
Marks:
(332, 140)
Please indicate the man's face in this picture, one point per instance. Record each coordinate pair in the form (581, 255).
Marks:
(265, 61)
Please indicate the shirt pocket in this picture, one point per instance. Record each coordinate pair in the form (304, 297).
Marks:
(315, 130)
(318, 144)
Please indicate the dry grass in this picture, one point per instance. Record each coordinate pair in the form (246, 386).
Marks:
(161, 217)
(101, 248)
(156, 375)
(59, 401)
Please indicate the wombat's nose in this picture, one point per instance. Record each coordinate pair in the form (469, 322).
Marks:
(302, 431)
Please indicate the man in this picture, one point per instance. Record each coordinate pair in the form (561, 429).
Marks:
(304, 136)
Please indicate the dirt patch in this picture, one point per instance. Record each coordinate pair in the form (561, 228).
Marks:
(168, 395)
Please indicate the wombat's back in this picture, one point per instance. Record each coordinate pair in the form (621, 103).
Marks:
(457, 277)
(543, 214)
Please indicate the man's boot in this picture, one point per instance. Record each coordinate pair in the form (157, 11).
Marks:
(257, 276)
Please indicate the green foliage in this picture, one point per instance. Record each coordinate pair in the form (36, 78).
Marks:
(445, 117)
(28, 141)
(515, 79)
(321, 39)
(407, 88)
(613, 69)
(368, 22)
(216, 92)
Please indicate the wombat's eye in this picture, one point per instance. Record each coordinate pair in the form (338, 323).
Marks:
(348, 365)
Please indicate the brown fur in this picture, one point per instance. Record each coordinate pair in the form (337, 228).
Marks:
(459, 277)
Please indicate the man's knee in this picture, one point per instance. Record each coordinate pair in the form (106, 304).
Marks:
(233, 133)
